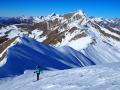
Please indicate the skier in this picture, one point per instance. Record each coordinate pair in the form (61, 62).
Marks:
(37, 71)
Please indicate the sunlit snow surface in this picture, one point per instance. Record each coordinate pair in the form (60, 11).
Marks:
(104, 77)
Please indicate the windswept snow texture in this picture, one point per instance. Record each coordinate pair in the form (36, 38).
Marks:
(28, 53)
(99, 77)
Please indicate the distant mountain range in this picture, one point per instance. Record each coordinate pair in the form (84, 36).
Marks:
(96, 39)
(113, 22)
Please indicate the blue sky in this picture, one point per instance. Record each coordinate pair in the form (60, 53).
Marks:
(99, 8)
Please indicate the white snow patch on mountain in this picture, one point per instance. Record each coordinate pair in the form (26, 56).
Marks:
(81, 43)
(13, 31)
(77, 44)
(35, 33)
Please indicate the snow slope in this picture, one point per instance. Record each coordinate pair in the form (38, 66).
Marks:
(103, 77)
(12, 31)
(88, 43)
(28, 53)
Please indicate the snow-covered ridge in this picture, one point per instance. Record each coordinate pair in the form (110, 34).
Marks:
(112, 22)
(28, 53)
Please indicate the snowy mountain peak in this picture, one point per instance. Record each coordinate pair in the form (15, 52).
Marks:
(76, 14)
(54, 14)
(80, 12)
